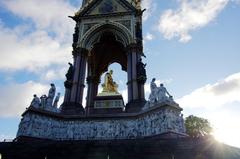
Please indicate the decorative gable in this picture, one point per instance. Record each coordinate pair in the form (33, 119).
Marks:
(98, 7)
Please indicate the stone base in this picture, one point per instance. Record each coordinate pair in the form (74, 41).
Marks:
(108, 105)
(72, 109)
(155, 121)
(135, 106)
(148, 148)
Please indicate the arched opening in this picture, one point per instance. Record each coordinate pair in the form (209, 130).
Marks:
(93, 35)
(105, 52)
(101, 46)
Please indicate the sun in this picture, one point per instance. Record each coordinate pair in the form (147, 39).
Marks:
(226, 131)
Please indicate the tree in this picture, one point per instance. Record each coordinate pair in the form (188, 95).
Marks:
(197, 127)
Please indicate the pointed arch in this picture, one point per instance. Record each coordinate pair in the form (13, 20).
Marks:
(92, 36)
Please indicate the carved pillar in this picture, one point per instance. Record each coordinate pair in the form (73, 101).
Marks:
(136, 97)
(141, 78)
(132, 73)
(67, 93)
(80, 59)
(74, 88)
(92, 82)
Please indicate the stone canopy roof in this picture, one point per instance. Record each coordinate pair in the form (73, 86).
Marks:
(130, 4)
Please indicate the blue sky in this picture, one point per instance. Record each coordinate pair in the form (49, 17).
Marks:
(192, 46)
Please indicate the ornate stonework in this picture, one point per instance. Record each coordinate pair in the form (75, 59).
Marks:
(165, 118)
(106, 32)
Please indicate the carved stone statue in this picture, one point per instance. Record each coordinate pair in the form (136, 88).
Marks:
(162, 94)
(70, 72)
(141, 71)
(136, 3)
(154, 90)
(43, 101)
(36, 101)
(158, 95)
(56, 100)
(51, 94)
(52, 91)
(75, 37)
(109, 85)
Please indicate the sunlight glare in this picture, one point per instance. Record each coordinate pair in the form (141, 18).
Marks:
(226, 130)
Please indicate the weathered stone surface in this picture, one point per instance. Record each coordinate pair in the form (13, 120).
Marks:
(162, 120)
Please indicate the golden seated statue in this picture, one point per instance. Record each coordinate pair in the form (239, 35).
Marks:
(109, 86)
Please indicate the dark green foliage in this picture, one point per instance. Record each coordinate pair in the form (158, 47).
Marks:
(197, 127)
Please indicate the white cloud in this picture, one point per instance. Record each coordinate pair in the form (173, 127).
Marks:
(54, 74)
(191, 15)
(33, 52)
(14, 98)
(150, 6)
(39, 46)
(149, 37)
(215, 95)
(218, 103)
(50, 15)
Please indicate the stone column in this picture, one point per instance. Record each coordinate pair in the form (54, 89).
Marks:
(74, 89)
(80, 59)
(141, 79)
(67, 94)
(136, 97)
(132, 73)
(92, 82)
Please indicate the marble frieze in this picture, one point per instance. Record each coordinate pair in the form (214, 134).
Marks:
(162, 120)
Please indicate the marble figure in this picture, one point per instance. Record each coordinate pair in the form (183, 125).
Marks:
(43, 99)
(55, 103)
(36, 101)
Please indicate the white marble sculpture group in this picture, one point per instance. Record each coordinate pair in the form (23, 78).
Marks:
(159, 95)
(162, 120)
(46, 102)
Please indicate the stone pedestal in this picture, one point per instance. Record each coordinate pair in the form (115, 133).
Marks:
(72, 109)
(160, 120)
(108, 105)
(135, 106)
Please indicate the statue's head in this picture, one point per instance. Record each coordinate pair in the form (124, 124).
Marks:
(161, 85)
(70, 64)
(34, 95)
(154, 79)
(52, 84)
